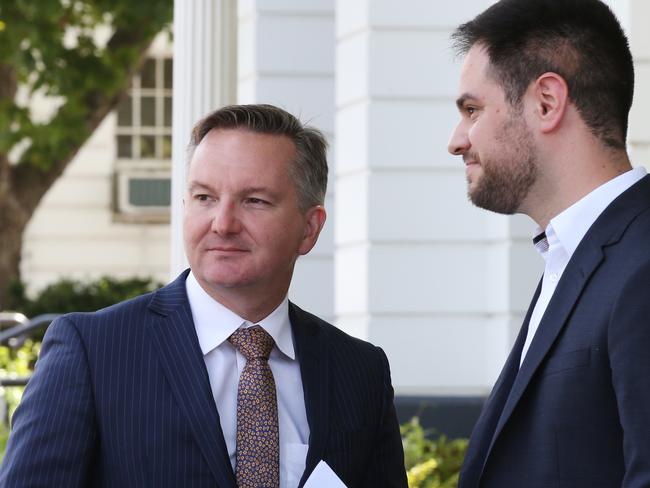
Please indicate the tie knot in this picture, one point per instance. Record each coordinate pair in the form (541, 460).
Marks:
(252, 342)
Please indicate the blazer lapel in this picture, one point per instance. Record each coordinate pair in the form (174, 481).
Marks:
(606, 231)
(562, 303)
(182, 363)
(311, 351)
(483, 432)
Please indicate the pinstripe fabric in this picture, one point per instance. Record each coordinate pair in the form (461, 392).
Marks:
(121, 398)
(349, 403)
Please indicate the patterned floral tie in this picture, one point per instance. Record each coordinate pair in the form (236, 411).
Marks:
(258, 446)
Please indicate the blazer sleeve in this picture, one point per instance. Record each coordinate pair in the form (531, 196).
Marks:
(386, 467)
(629, 355)
(53, 436)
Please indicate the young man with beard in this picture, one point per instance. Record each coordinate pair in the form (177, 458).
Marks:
(544, 96)
(216, 380)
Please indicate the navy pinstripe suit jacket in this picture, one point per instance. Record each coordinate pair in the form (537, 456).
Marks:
(121, 397)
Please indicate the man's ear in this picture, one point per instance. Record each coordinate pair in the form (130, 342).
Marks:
(314, 221)
(550, 93)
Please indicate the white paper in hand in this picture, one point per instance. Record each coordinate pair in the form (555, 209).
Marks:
(323, 477)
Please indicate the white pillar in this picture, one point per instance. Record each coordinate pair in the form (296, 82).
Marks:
(204, 67)
(638, 30)
(286, 58)
(440, 285)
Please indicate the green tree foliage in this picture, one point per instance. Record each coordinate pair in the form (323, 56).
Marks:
(80, 53)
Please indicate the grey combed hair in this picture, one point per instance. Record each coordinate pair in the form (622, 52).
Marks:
(309, 168)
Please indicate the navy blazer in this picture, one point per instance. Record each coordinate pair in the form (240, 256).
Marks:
(577, 413)
(121, 398)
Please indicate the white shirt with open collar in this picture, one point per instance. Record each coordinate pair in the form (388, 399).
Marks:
(563, 235)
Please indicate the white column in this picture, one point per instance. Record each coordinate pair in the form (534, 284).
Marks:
(204, 67)
(286, 58)
(638, 30)
(440, 285)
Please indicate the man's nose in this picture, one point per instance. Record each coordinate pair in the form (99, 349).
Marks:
(459, 142)
(226, 219)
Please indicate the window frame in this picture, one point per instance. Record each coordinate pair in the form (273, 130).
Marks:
(135, 166)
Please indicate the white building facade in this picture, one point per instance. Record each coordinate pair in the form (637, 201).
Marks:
(405, 261)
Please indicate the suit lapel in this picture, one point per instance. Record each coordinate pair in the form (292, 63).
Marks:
(483, 432)
(311, 351)
(559, 308)
(181, 360)
(606, 231)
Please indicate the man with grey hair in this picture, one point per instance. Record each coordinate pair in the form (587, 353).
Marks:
(216, 379)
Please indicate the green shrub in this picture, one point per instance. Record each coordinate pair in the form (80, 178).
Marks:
(16, 363)
(68, 295)
(4, 437)
(76, 296)
(431, 463)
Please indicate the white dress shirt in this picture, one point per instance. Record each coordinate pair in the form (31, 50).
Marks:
(214, 323)
(564, 232)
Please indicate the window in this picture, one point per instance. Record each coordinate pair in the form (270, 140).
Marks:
(143, 142)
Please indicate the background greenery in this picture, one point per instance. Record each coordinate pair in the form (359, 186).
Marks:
(431, 462)
(69, 295)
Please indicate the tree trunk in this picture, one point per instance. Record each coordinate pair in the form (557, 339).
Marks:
(13, 219)
(13, 216)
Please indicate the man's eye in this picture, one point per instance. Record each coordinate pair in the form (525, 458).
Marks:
(470, 111)
(201, 197)
(257, 201)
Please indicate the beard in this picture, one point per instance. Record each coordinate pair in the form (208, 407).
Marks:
(506, 180)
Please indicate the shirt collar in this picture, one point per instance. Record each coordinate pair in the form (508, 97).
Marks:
(277, 325)
(548, 245)
(571, 225)
(540, 241)
(214, 322)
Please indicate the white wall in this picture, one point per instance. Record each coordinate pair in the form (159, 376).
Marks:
(638, 27)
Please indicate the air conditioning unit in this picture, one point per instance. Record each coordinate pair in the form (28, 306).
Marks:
(142, 194)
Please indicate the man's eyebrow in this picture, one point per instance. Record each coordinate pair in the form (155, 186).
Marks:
(255, 189)
(460, 101)
(195, 185)
(262, 190)
(248, 190)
